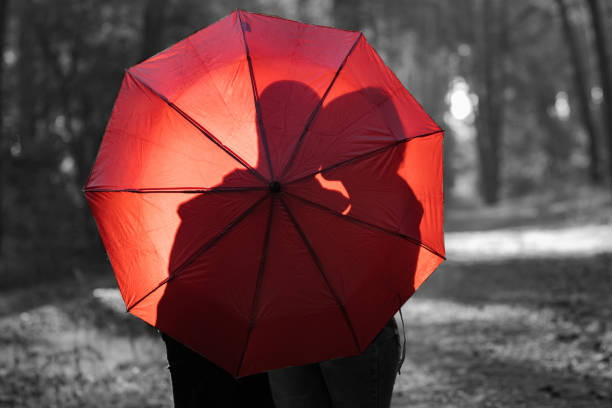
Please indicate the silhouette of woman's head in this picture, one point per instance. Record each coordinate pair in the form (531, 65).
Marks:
(285, 109)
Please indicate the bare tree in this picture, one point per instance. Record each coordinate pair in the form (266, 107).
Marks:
(490, 32)
(3, 22)
(581, 89)
(601, 46)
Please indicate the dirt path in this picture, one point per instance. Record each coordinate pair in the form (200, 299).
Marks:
(502, 330)
(512, 333)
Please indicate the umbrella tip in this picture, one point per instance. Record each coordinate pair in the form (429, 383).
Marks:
(275, 187)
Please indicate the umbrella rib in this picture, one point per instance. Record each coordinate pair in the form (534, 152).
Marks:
(260, 276)
(364, 155)
(317, 109)
(366, 224)
(209, 244)
(201, 128)
(186, 190)
(262, 131)
(317, 262)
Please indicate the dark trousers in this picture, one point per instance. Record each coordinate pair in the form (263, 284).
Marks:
(364, 381)
(196, 382)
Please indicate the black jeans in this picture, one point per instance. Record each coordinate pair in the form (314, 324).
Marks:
(196, 382)
(364, 381)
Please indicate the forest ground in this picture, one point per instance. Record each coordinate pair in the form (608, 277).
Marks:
(518, 316)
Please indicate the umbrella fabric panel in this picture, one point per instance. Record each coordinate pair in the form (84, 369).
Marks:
(291, 282)
(149, 236)
(308, 56)
(208, 305)
(207, 77)
(296, 308)
(398, 189)
(422, 170)
(372, 271)
(148, 145)
(291, 341)
(366, 108)
(376, 193)
(364, 69)
(346, 128)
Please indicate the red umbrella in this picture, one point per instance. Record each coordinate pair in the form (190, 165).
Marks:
(268, 192)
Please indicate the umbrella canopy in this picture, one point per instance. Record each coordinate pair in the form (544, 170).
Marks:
(268, 192)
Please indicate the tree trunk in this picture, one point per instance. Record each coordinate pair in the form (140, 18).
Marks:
(3, 22)
(581, 88)
(599, 31)
(557, 143)
(489, 88)
(26, 99)
(153, 27)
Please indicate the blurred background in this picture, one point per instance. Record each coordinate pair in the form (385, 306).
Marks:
(520, 313)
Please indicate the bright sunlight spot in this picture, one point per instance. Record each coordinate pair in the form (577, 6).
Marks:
(562, 107)
(461, 106)
(10, 57)
(67, 165)
(596, 94)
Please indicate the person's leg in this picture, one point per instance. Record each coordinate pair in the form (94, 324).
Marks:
(299, 387)
(254, 391)
(196, 382)
(365, 380)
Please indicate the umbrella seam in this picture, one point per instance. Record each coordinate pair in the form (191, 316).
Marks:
(366, 224)
(317, 262)
(262, 132)
(209, 244)
(186, 190)
(259, 283)
(199, 127)
(189, 42)
(317, 110)
(364, 155)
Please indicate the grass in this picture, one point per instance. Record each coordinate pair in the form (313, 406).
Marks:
(73, 351)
